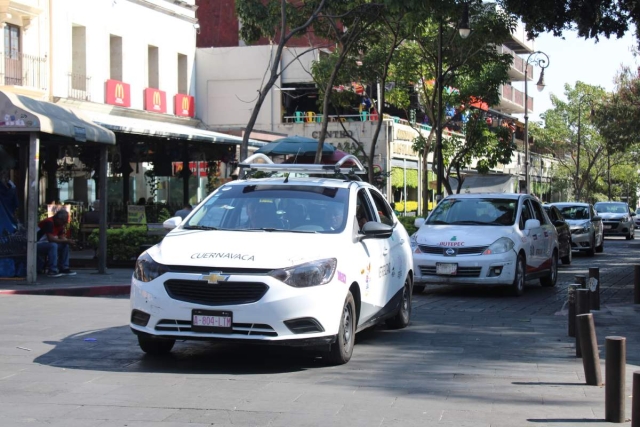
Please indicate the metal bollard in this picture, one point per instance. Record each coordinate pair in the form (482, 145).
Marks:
(636, 284)
(589, 348)
(594, 298)
(635, 403)
(571, 298)
(616, 353)
(582, 307)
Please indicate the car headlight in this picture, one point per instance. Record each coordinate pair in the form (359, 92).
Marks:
(312, 273)
(583, 228)
(413, 242)
(147, 269)
(500, 246)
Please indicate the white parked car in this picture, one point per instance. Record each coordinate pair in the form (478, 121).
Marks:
(617, 219)
(587, 231)
(486, 239)
(302, 261)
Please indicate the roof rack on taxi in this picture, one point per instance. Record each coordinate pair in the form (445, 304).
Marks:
(316, 169)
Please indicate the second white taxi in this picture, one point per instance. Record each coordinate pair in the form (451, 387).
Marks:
(486, 239)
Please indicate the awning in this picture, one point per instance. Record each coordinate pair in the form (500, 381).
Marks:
(163, 129)
(486, 184)
(20, 113)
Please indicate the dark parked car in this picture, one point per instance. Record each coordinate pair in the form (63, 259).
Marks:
(564, 233)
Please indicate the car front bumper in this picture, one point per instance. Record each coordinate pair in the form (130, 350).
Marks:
(617, 228)
(581, 241)
(471, 269)
(170, 316)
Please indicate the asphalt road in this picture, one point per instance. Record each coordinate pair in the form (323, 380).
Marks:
(471, 357)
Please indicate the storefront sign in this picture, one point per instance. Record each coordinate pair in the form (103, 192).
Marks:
(118, 93)
(399, 148)
(136, 214)
(333, 134)
(405, 134)
(184, 105)
(155, 100)
(193, 167)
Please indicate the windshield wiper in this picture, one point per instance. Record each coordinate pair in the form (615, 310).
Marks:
(470, 222)
(438, 221)
(262, 229)
(198, 227)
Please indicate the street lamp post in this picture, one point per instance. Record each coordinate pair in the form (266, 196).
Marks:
(542, 62)
(464, 30)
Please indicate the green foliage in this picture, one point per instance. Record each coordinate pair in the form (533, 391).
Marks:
(397, 178)
(123, 244)
(412, 206)
(408, 221)
(164, 215)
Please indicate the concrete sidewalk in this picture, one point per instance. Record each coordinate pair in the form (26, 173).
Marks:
(87, 282)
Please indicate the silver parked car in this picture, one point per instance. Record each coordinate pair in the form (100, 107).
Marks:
(617, 219)
(587, 229)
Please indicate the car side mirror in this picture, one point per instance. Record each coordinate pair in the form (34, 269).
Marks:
(376, 230)
(633, 214)
(596, 218)
(172, 223)
(418, 222)
(531, 223)
(558, 222)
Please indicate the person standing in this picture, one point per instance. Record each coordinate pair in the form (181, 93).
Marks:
(186, 210)
(53, 244)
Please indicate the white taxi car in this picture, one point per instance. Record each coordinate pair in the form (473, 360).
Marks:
(302, 261)
(486, 239)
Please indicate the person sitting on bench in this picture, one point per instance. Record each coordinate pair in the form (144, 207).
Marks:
(53, 244)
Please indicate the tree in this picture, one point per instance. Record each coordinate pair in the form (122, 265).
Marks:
(272, 19)
(569, 129)
(473, 70)
(591, 18)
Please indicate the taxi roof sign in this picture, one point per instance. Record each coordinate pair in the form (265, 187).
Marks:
(317, 169)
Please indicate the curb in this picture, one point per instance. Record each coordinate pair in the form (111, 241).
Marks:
(81, 291)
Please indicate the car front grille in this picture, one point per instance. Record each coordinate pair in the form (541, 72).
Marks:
(222, 293)
(253, 329)
(439, 250)
(462, 271)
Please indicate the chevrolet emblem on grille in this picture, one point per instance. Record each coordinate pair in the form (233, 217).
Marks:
(215, 277)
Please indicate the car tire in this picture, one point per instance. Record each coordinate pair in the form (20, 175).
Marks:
(403, 316)
(600, 247)
(566, 260)
(418, 288)
(592, 250)
(517, 287)
(155, 346)
(630, 235)
(552, 278)
(341, 350)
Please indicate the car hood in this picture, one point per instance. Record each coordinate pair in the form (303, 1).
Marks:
(462, 236)
(244, 249)
(609, 215)
(577, 222)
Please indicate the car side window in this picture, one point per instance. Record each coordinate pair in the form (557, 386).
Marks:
(538, 212)
(383, 208)
(525, 213)
(551, 212)
(363, 209)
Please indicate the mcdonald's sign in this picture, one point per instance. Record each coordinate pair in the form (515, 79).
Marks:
(184, 105)
(118, 93)
(155, 100)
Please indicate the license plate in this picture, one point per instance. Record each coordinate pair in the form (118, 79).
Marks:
(607, 227)
(446, 269)
(212, 321)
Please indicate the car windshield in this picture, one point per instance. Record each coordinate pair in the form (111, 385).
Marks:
(573, 212)
(620, 208)
(268, 207)
(480, 211)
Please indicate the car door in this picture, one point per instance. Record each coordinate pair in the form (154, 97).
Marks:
(547, 239)
(394, 258)
(562, 228)
(532, 238)
(373, 254)
(596, 224)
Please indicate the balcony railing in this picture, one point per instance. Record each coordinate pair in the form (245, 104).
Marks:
(79, 87)
(19, 69)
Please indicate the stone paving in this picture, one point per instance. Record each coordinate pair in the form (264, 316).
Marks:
(471, 357)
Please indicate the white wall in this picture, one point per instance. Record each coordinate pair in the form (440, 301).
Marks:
(139, 27)
(228, 80)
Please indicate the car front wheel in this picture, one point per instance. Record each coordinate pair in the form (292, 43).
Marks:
(341, 350)
(155, 346)
(568, 257)
(552, 278)
(517, 288)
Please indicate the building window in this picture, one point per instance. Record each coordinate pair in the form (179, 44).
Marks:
(78, 79)
(182, 74)
(115, 58)
(154, 71)
(12, 58)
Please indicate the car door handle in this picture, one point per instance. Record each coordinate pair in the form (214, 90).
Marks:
(385, 250)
